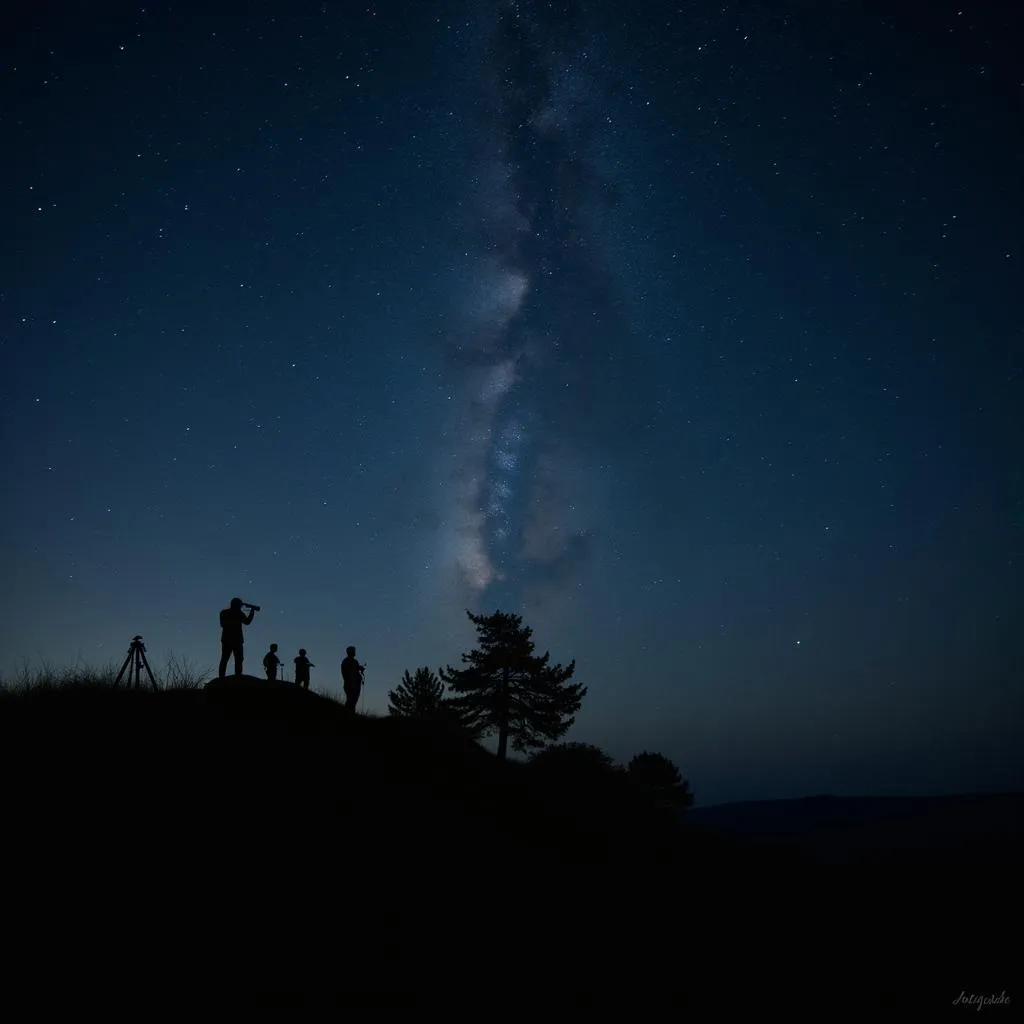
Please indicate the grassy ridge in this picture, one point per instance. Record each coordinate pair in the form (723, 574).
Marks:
(256, 843)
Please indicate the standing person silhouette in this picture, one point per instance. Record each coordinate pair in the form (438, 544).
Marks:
(231, 640)
(271, 662)
(302, 667)
(351, 679)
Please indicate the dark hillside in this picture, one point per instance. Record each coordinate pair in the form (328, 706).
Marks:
(253, 843)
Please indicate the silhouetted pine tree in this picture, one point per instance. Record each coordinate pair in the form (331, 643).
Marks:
(507, 689)
(417, 696)
(657, 775)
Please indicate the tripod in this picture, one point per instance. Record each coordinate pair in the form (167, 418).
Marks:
(136, 651)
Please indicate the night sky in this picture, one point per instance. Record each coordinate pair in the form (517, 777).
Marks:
(691, 332)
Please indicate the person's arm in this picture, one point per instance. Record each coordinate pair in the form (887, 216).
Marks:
(247, 619)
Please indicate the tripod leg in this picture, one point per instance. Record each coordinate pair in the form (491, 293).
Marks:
(123, 667)
(149, 671)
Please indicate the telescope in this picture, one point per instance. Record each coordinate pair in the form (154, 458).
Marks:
(254, 607)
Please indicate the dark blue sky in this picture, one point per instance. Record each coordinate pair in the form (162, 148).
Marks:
(693, 337)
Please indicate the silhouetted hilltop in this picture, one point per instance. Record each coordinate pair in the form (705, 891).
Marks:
(251, 842)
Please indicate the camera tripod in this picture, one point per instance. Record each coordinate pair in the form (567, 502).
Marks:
(136, 651)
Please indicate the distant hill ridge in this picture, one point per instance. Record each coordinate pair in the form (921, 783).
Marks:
(966, 829)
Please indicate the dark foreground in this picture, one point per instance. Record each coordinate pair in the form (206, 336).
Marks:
(246, 846)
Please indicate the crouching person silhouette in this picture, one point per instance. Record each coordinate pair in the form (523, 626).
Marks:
(302, 667)
(232, 620)
(351, 679)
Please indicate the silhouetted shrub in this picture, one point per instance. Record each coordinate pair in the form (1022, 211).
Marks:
(417, 696)
(576, 761)
(658, 777)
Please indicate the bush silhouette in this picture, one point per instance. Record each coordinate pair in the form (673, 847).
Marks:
(657, 776)
(417, 696)
(576, 761)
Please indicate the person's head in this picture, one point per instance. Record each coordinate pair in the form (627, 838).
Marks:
(350, 651)
(302, 652)
(273, 647)
(236, 602)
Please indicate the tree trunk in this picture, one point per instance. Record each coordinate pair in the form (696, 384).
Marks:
(503, 716)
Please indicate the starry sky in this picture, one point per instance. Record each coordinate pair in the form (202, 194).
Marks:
(689, 331)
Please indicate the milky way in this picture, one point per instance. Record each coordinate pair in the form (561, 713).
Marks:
(535, 351)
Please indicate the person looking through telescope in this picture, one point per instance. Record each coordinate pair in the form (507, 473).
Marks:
(232, 619)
